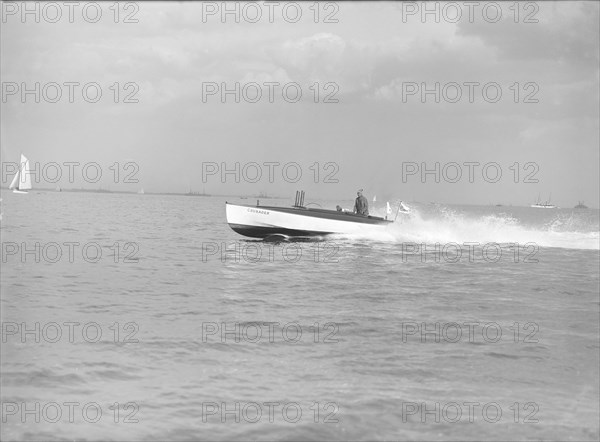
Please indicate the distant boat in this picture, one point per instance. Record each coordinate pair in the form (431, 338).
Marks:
(580, 205)
(190, 193)
(21, 183)
(141, 191)
(543, 205)
(58, 189)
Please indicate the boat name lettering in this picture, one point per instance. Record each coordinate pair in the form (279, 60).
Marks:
(264, 212)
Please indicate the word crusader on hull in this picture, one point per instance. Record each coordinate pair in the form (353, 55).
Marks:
(298, 221)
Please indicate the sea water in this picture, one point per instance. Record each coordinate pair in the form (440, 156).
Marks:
(130, 317)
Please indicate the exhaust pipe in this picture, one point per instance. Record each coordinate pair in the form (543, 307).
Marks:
(299, 199)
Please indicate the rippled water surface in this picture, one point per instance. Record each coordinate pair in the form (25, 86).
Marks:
(363, 336)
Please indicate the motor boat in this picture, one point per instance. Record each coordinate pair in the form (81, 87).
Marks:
(258, 221)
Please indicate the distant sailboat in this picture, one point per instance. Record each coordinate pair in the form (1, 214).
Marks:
(21, 183)
(543, 205)
(374, 198)
(141, 191)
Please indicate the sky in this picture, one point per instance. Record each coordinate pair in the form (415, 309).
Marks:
(162, 123)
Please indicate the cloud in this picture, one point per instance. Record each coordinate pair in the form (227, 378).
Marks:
(369, 53)
(566, 32)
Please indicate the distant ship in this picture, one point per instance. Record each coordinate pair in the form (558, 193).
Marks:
(580, 205)
(21, 183)
(543, 205)
(190, 193)
(141, 191)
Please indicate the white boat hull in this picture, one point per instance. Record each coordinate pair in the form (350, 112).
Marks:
(264, 221)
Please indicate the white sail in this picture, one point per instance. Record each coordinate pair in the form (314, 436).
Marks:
(25, 182)
(388, 208)
(22, 179)
(13, 183)
(374, 198)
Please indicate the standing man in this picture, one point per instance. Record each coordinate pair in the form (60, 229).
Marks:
(361, 205)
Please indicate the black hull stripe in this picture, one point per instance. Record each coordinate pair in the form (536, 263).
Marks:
(264, 232)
